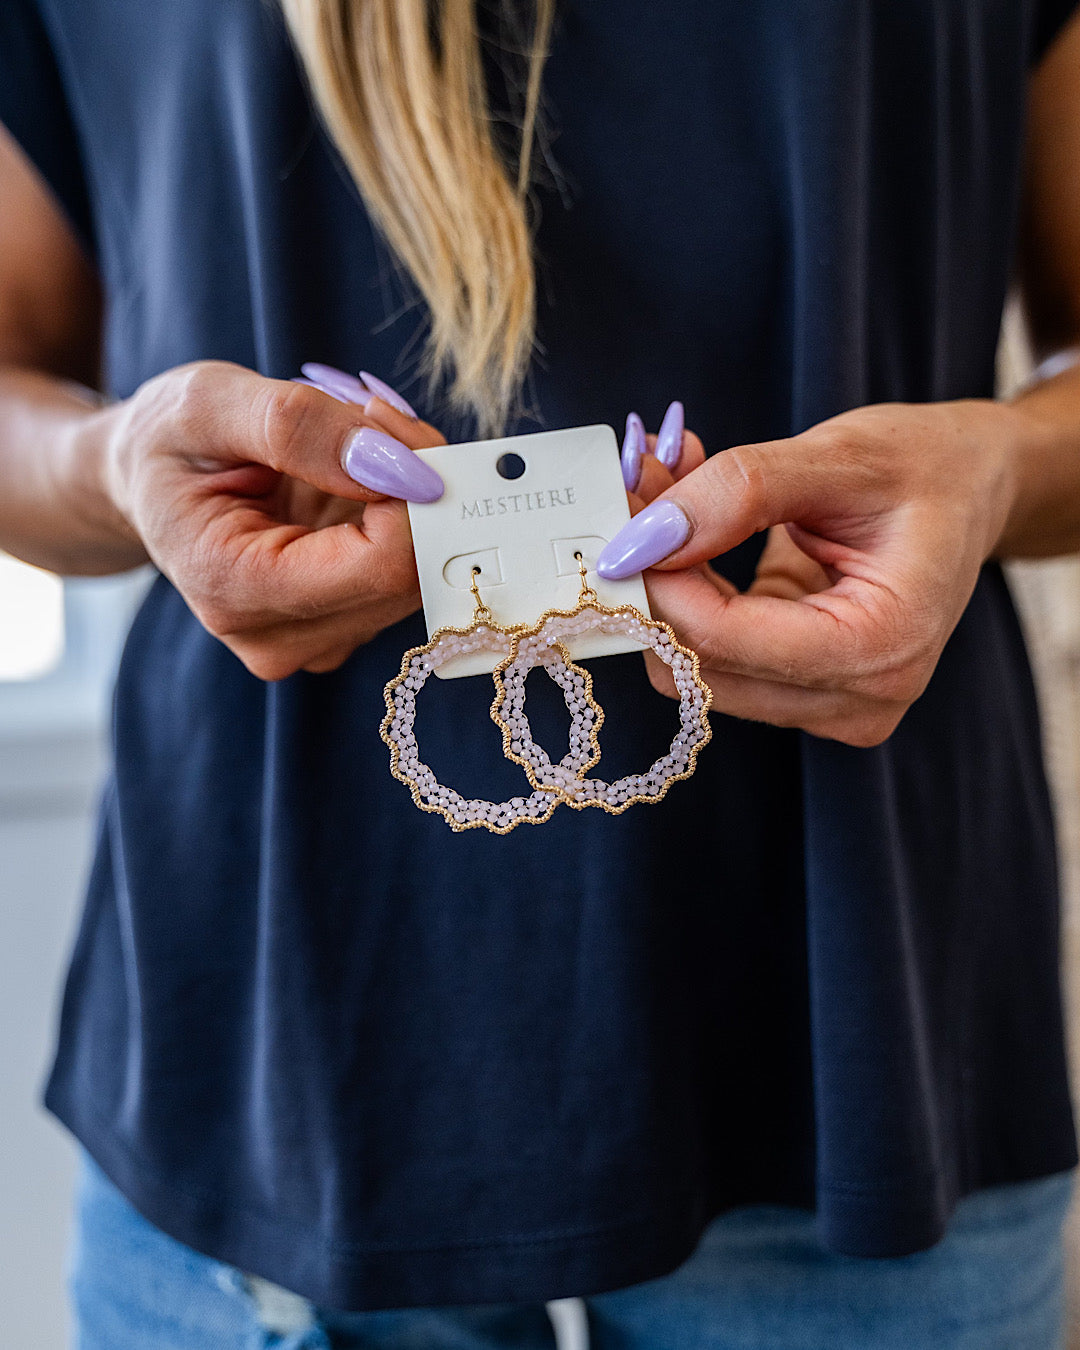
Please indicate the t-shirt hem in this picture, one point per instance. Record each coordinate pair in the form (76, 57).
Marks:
(888, 1219)
(353, 1277)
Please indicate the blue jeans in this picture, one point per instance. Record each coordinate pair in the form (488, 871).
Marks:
(758, 1281)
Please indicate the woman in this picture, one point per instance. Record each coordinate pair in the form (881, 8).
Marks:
(343, 1077)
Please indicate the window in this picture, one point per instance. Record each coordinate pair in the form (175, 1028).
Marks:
(59, 644)
(31, 620)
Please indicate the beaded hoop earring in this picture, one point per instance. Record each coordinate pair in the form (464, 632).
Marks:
(527, 649)
(467, 813)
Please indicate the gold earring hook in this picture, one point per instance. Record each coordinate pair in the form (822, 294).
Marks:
(587, 592)
(483, 614)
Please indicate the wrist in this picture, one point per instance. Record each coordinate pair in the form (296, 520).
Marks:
(994, 436)
(94, 483)
(1044, 519)
(1029, 440)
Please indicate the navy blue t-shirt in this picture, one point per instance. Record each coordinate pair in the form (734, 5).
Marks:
(313, 1033)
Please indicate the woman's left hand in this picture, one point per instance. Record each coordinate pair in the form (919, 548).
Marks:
(885, 516)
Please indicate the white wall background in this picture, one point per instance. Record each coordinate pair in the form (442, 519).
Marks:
(52, 755)
(42, 859)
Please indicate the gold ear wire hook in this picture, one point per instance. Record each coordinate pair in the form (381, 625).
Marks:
(587, 592)
(482, 611)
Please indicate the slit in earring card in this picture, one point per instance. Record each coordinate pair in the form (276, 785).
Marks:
(521, 508)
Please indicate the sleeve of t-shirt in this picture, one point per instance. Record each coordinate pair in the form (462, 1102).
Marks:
(1051, 16)
(34, 107)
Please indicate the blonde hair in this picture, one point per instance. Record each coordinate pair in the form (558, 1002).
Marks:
(400, 85)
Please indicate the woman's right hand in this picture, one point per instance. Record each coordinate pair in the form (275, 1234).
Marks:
(264, 502)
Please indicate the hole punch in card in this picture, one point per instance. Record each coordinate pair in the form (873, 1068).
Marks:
(520, 508)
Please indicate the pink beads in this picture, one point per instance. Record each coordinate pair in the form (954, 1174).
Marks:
(466, 813)
(517, 651)
(532, 646)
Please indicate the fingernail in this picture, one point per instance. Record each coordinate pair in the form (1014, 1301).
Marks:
(385, 465)
(651, 535)
(314, 384)
(342, 385)
(633, 447)
(669, 439)
(387, 394)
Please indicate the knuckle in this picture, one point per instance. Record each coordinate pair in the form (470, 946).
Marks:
(901, 677)
(698, 631)
(693, 446)
(870, 729)
(863, 446)
(289, 415)
(906, 685)
(746, 460)
(264, 662)
(398, 577)
(847, 442)
(191, 391)
(220, 613)
(211, 592)
(891, 653)
(215, 617)
(324, 664)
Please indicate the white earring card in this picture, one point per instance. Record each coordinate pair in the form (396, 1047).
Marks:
(520, 508)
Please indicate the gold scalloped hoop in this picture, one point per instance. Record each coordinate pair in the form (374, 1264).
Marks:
(462, 813)
(518, 744)
(527, 647)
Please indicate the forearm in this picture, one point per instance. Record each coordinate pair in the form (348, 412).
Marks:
(55, 507)
(1045, 517)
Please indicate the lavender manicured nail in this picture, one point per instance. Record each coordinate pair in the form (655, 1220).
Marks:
(385, 465)
(651, 535)
(314, 384)
(633, 448)
(345, 387)
(669, 440)
(387, 394)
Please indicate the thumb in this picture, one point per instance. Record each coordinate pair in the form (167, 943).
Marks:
(733, 495)
(224, 416)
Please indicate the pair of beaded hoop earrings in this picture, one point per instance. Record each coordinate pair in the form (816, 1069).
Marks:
(521, 649)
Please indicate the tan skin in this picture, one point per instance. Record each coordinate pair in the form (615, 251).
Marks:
(878, 519)
(230, 483)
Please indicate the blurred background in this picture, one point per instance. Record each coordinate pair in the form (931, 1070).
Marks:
(58, 647)
(59, 642)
